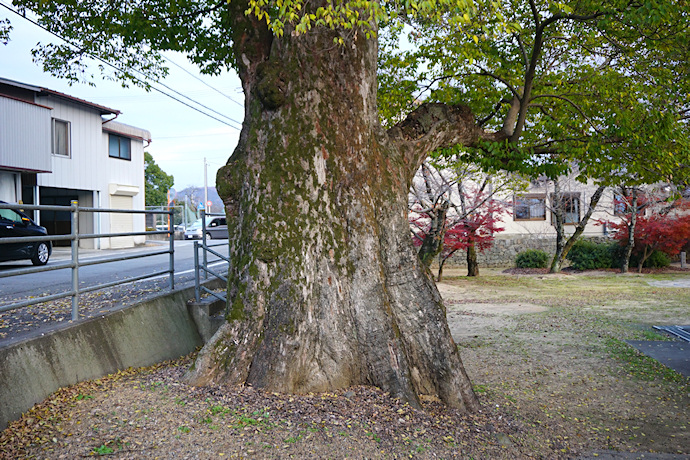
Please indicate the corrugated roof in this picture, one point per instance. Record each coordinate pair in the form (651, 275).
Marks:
(101, 108)
(47, 92)
(127, 130)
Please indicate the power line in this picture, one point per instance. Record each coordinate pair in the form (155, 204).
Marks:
(202, 81)
(192, 135)
(136, 78)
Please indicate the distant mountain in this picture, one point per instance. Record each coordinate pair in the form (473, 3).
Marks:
(195, 195)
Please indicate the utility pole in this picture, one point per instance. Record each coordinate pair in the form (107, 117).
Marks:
(186, 200)
(206, 206)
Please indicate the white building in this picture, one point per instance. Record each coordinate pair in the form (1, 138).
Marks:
(531, 212)
(55, 148)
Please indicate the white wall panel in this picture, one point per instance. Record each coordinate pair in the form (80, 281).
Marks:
(121, 223)
(81, 169)
(8, 187)
(24, 135)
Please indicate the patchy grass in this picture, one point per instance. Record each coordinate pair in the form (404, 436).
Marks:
(566, 370)
(556, 381)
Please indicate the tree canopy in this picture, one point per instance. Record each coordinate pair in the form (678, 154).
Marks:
(158, 182)
(603, 84)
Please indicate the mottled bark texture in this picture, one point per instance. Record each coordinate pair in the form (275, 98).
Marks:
(472, 264)
(325, 289)
(630, 242)
(564, 246)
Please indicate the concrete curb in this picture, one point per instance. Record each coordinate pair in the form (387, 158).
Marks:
(158, 329)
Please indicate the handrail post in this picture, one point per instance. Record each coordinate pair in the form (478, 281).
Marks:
(75, 259)
(197, 283)
(203, 238)
(171, 237)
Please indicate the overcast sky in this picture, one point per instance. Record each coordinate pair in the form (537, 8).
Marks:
(182, 137)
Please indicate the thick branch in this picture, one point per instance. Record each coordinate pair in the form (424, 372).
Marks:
(434, 126)
(251, 41)
(530, 73)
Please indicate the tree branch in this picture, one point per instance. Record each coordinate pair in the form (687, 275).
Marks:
(573, 104)
(433, 126)
(530, 73)
(523, 50)
(495, 111)
(486, 73)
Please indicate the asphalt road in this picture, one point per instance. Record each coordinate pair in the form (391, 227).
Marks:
(20, 287)
(26, 322)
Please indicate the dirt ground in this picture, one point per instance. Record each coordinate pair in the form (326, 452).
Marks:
(545, 354)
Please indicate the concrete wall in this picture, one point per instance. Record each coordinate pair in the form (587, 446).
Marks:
(156, 330)
(505, 249)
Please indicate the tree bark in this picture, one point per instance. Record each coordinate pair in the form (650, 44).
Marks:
(472, 265)
(325, 289)
(563, 246)
(441, 263)
(559, 226)
(645, 255)
(630, 244)
(442, 258)
(433, 240)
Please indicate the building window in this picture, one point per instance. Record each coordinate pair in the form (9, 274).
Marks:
(621, 205)
(530, 207)
(570, 203)
(61, 138)
(119, 147)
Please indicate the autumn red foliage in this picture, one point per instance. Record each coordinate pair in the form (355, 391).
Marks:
(667, 232)
(477, 229)
(473, 232)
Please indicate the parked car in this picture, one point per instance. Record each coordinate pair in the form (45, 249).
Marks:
(17, 224)
(216, 228)
(193, 232)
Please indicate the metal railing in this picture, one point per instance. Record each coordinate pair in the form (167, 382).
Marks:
(204, 266)
(74, 264)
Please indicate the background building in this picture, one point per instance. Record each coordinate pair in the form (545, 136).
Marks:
(55, 148)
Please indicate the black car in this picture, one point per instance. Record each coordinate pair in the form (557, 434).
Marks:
(17, 224)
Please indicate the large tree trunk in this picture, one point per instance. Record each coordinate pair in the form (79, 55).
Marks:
(325, 289)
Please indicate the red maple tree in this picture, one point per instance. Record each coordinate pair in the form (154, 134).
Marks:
(473, 233)
(469, 231)
(665, 232)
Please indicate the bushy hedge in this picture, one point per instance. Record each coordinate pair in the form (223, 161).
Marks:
(588, 255)
(658, 259)
(532, 258)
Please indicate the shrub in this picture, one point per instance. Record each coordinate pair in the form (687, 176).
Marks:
(532, 258)
(658, 259)
(588, 255)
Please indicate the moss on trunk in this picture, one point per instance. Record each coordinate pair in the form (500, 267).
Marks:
(325, 289)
